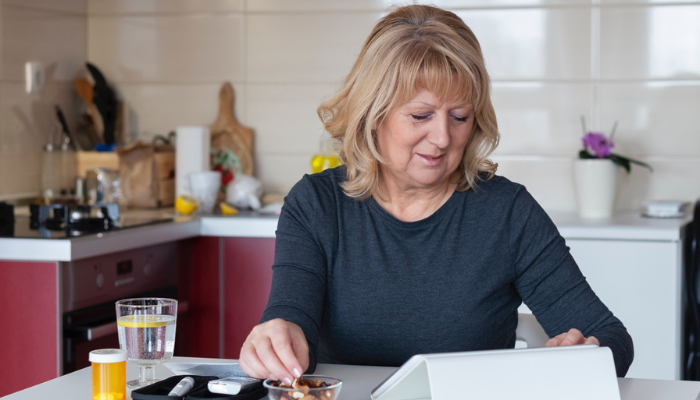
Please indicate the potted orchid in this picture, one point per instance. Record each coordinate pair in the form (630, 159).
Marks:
(596, 173)
(597, 146)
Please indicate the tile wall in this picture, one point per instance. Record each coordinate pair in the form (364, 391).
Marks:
(54, 33)
(632, 61)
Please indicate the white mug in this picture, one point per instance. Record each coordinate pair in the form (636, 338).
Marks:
(205, 188)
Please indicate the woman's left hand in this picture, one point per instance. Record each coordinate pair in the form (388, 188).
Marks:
(571, 338)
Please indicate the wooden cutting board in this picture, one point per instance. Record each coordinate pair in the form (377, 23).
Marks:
(227, 133)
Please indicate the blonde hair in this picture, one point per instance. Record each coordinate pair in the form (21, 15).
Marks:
(411, 48)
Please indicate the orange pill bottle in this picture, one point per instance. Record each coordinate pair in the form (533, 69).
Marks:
(108, 374)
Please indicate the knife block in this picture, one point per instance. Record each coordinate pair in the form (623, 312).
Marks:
(87, 160)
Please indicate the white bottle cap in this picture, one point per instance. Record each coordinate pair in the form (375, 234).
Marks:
(107, 355)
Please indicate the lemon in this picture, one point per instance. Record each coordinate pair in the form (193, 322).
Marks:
(227, 209)
(144, 321)
(185, 205)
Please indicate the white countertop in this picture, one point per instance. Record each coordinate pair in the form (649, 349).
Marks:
(358, 382)
(624, 226)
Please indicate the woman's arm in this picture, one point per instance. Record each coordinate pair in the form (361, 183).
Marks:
(290, 323)
(551, 284)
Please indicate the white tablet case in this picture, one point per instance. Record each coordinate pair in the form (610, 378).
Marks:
(547, 373)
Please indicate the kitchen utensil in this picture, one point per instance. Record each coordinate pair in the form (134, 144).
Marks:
(147, 332)
(106, 102)
(84, 89)
(94, 120)
(64, 127)
(205, 189)
(227, 133)
(66, 155)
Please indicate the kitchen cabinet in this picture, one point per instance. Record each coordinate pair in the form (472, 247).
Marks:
(247, 279)
(229, 282)
(29, 324)
(640, 281)
(635, 266)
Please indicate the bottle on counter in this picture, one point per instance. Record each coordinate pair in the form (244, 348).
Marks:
(50, 173)
(327, 157)
(108, 374)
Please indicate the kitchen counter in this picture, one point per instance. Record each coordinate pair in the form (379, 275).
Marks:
(624, 226)
(358, 382)
(70, 249)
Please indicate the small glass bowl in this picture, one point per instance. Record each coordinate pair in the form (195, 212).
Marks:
(329, 392)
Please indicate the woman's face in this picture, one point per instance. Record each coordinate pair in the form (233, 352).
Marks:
(423, 140)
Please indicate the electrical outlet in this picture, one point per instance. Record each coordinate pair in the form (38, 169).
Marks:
(34, 76)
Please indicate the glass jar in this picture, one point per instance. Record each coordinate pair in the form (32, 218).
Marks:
(327, 157)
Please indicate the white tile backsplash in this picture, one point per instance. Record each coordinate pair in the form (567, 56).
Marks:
(659, 42)
(644, 2)
(172, 48)
(21, 174)
(279, 172)
(305, 47)
(96, 7)
(28, 120)
(58, 40)
(548, 179)
(541, 117)
(533, 43)
(457, 4)
(168, 58)
(654, 118)
(674, 178)
(284, 116)
(66, 6)
(321, 5)
(160, 108)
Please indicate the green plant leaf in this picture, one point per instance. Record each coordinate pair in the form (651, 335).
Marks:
(627, 161)
(584, 154)
(621, 161)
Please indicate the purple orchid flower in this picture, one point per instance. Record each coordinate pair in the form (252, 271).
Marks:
(597, 144)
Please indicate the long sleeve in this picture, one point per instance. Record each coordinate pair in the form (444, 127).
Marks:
(551, 284)
(299, 271)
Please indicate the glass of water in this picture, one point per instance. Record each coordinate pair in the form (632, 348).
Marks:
(147, 333)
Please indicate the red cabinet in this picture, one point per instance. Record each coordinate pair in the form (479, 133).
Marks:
(228, 285)
(29, 339)
(247, 279)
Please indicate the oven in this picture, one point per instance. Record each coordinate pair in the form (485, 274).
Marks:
(90, 287)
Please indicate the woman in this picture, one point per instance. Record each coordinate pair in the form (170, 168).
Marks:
(414, 245)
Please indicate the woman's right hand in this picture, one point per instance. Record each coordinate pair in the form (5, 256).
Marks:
(275, 349)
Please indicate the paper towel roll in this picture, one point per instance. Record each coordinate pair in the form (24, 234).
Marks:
(191, 155)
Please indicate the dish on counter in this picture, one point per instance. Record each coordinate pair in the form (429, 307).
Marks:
(310, 387)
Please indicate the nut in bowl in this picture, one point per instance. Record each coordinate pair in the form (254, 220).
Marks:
(309, 387)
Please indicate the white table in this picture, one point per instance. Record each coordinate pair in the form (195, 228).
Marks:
(358, 381)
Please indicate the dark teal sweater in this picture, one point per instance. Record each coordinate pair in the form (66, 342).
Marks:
(369, 289)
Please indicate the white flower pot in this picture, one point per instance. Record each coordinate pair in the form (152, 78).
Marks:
(596, 182)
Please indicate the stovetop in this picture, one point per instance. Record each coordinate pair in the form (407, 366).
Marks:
(61, 221)
(23, 229)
